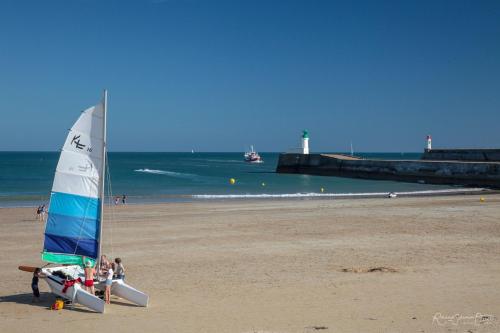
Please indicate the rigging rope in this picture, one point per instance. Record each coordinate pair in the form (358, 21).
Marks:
(111, 204)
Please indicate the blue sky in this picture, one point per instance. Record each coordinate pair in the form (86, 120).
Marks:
(221, 75)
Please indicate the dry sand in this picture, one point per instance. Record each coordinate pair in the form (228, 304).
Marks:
(280, 266)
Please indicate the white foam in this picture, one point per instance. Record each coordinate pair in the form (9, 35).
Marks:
(329, 195)
(167, 173)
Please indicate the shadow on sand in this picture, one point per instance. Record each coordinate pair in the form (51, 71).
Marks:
(121, 303)
(46, 301)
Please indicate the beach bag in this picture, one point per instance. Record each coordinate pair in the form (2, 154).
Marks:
(58, 305)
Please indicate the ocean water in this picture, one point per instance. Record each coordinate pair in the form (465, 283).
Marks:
(26, 178)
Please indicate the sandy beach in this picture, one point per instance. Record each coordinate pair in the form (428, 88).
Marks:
(429, 264)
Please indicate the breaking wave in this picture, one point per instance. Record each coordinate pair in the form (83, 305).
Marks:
(167, 173)
(335, 195)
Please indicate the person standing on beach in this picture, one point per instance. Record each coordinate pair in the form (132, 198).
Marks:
(89, 277)
(43, 209)
(104, 264)
(117, 200)
(109, 282)
(124, 199)
(38, 212)
(119, 269)
(34, 284)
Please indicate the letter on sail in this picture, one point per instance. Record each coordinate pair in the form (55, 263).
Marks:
(74, 219)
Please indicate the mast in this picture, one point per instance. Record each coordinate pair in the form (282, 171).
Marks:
(101, 180)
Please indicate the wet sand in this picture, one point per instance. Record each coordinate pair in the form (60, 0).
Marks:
(366, 265)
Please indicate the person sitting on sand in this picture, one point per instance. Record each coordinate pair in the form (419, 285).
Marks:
(34, 284)
(89, 277)
(119, 269)
(109, 282)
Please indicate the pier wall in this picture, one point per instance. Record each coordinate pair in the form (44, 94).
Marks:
(423, 171)
(479, 155)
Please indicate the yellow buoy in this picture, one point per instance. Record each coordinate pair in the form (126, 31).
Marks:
(481, 199)
(232, 181)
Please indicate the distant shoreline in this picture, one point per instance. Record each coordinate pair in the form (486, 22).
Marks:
(171, 199)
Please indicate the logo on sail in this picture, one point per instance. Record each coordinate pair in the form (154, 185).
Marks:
(76, 141)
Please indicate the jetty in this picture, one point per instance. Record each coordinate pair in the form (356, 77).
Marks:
(468, 167)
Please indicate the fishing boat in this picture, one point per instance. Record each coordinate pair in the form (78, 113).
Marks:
(73, 232)
(252, 156)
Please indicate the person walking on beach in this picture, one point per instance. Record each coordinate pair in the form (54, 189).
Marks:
(124, 199)
(38, 213)
(119, 269)
(117, 200)
(43, 210)
(34, 284)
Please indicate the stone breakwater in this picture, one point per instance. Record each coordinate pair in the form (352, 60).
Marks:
(451, 172)
(475, 155)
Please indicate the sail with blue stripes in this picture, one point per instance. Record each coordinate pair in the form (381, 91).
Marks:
(74, 216)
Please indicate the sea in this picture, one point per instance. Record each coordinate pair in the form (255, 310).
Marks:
(26, 178)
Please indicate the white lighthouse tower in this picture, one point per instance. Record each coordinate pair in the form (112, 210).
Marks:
(429, 142)
(305, 142)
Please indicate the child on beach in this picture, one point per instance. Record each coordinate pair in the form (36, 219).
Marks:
(109, 282)
(119, 269)
(89, 277)
(34, 284)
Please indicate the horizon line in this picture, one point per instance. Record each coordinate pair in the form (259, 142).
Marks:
(229, 152)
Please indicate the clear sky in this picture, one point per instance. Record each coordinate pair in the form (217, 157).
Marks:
(221, 75)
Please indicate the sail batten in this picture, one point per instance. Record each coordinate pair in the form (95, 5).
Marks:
(74, 218)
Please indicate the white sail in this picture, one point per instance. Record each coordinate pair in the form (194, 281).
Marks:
(73, 224)
(73, 229)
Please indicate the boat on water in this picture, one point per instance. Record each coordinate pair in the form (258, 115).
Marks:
(73, 231)
(252, 156)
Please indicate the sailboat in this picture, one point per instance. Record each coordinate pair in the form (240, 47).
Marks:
(73, 232)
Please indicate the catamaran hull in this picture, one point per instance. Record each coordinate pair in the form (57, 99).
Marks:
(123, 290)
(75, 293)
